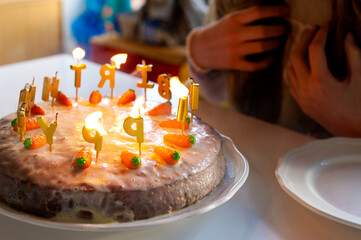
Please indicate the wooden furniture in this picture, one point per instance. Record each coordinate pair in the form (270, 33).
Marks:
(259, 210)
(166, 59)
(29, 29)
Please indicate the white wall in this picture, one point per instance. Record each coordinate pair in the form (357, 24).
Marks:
(71, 9)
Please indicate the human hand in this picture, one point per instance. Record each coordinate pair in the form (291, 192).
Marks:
(226, 43)
(333, 103)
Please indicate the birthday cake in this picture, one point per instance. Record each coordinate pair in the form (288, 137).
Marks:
(49, 184)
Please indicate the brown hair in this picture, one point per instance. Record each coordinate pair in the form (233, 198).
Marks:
(346, 18)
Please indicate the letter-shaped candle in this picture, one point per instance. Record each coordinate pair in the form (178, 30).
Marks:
(24, 99)
(138, 132)
(32, 92)
(107, 71)
(180, 90)
(163, 89)
(194, 98)
(50, 87)
(21, 121)
(78, 54)
(144, 69)
(93, 131)
(48, 130)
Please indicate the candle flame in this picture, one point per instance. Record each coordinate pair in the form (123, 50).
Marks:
(119, 59)
(177, 88)
(138, 108)
(94, 121)
(78, 53)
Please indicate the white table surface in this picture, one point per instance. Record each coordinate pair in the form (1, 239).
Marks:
(259, 210)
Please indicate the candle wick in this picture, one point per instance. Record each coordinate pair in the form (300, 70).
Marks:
(33, 80)
(56, 117)
(56, 74)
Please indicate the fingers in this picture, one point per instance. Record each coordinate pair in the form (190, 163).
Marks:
(255, 47)
(317, 55)
(298, 57)
(258, 32)
(353, 55)
(255, 13)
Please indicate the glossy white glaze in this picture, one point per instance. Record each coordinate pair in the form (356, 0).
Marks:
(55, 168)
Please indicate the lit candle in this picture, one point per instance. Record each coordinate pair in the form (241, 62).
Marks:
(50, 87)
(194, 97)
(163, 89)
(144, 69)
(93, 131)
(107, 71)
(32, 93)
(48, 130)
(180, 90)
(21, 121)
(138, 132)
(78, 54)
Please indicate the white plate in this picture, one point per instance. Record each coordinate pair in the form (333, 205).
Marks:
(236, 174)
(325, 176)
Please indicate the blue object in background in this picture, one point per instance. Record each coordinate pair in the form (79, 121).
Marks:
(93, 20)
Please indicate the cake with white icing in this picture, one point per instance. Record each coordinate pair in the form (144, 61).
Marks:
(46, 183)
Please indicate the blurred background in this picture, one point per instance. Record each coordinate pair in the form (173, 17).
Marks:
(150, 30)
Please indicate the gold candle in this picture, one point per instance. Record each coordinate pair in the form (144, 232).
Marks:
(21, 121)
(180, 90)
(138, 132)
(144, 69)
(194, 98)
(32, 93)
(78, 54)
(93, 131)
(46, 89)
(182, 113)
(54, 88)
(107, 71)
(48, 130)
(163, 89)
(24, 98)
(50, 87)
